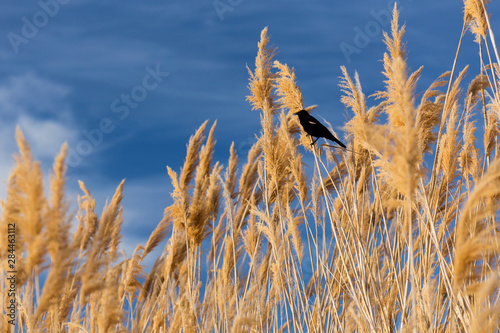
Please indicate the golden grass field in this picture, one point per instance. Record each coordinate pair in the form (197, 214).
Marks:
(397, 234)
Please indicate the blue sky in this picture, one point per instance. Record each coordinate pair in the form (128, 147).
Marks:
(126, 83)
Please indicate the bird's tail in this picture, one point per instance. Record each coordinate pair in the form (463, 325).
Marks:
(337, 141)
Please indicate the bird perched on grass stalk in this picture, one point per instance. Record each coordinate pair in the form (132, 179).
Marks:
(316, 129)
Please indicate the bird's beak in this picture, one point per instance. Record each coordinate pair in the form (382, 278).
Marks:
(296, 113)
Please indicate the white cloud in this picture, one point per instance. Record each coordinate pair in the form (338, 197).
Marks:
(41, 109)
(39, 106)
(45, 136)
(29, 93)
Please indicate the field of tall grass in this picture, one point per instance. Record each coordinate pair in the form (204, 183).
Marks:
(398, 233)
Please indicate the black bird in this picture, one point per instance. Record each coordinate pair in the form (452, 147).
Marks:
(316, 129)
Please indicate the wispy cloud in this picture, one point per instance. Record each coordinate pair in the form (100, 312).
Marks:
(30, 93)
(41, 109)
(45, 136)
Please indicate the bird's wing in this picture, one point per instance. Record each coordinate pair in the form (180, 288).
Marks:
(313, 121)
